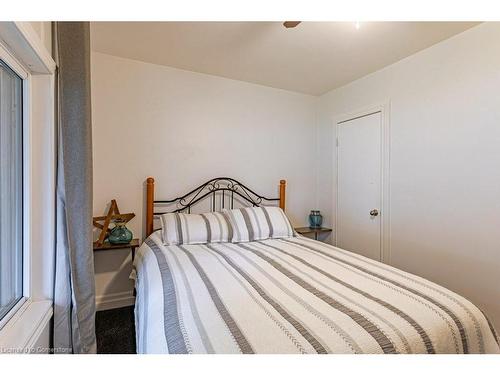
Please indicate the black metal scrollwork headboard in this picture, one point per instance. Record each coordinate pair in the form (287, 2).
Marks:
(228, 188)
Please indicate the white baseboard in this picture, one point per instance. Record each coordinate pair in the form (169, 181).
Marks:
(114, 300)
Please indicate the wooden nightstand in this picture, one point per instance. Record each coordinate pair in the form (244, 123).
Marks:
(107, 246)
(316, 231)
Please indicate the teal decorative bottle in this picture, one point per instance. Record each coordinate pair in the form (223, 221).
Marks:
(120, 234)
(315, 219)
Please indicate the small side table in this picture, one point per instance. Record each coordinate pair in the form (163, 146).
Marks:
(134, 244)
(107, 246)
(316, 231)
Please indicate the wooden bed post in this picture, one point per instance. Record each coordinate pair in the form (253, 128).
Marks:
(150, 194)
(282, 194)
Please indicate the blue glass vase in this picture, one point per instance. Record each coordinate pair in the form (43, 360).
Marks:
(315, 219)
(120, 234)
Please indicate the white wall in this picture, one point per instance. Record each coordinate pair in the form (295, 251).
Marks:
(445, 160)
(44, 31)
(43, 187)
(42, 190)
(184, 128)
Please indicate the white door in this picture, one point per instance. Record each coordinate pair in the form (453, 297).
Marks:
(359, 185)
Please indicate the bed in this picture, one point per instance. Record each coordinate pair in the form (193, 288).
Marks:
(284, 293)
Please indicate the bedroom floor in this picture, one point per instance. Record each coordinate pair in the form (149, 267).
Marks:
(115, 331)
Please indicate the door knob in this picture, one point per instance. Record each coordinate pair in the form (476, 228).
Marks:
(374, 212)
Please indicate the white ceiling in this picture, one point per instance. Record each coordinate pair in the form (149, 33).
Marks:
(313, 58)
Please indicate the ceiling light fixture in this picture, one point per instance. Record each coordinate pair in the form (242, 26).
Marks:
(290, 24)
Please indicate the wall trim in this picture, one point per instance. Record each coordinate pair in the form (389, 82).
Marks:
(23, 41)
(114, 300)
(384, 109)
(29, 324)
(24, 329)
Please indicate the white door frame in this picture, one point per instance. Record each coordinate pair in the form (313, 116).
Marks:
(385, 223)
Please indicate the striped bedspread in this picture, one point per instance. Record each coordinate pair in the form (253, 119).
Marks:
(294, 295)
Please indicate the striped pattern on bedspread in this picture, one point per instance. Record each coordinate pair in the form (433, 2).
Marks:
(294, 295)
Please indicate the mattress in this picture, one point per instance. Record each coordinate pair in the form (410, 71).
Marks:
(294, 295)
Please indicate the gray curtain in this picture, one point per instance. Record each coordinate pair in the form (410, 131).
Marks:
(74, 289)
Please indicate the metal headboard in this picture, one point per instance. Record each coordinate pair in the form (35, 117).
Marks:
(229, 188)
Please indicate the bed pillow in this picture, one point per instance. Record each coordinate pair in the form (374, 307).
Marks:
(190, 229)
(258, 223)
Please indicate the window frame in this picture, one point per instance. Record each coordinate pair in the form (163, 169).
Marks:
(18, 68)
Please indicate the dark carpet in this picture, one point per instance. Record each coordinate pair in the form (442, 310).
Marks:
(115, 331)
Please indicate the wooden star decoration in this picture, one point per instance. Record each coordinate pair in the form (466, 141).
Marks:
(112, 215)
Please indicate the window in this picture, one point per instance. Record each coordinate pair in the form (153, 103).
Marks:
(11, 189)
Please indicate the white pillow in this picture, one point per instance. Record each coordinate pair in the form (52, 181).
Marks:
(188, 229)
(258, 223)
